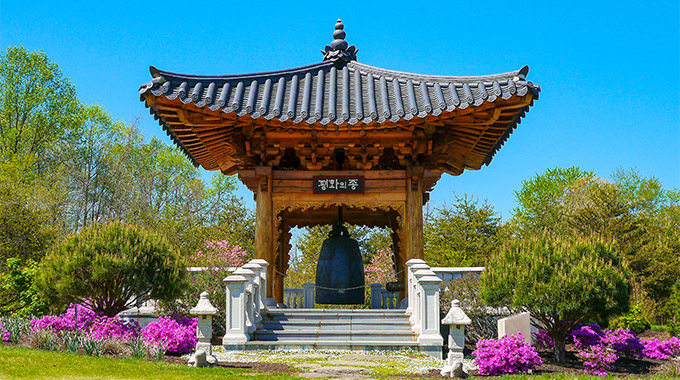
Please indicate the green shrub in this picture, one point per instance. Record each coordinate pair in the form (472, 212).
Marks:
(19, 282)
(562, 281)
(112, 267)
(633, 320)
(673, 310)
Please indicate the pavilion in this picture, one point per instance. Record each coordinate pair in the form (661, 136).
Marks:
(338, 133)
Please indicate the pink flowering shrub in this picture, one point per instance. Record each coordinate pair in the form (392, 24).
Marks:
(600, 350)
(113, 327)
(380, 270)
(98, 327)
(624, 342)
(586, 336)
(542, 341)
(598, 359)
(509, 354)
(6, 336)
(219, 254)
(661, 350)
(175, 334)
(67, 320)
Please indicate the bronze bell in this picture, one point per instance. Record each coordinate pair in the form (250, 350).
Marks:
(340, 270)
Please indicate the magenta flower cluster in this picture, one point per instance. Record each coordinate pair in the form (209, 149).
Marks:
(543, 341)
(509, 354)
(6, 336)
(220, 253)
(107, 327)
(586, 336)
(174, 334)
(601, 349)
(624, 342)
(661, 350)
(67, 320)
(598, 359)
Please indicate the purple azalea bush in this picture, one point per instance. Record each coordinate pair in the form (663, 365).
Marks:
(598, 359)
(97, 327)
(661, 350)
(601, 349)
(67, 320)
(6, 336)
(107, 327)
(542, 341)
(586, 336)
(509, 354)
(624, 342)
(175, 334)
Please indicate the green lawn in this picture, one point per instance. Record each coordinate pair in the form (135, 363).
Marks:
(24, 363)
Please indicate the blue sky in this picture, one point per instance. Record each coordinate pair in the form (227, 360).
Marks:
(609, 70)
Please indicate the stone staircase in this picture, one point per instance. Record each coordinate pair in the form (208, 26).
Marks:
(333, 329)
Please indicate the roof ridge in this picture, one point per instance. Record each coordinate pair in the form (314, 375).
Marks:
(295, 70)
(520, 74)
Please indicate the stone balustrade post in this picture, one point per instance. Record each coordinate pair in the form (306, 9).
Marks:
(376, 296)
(457, 320)
(410, 287)
(205, 312)
(416, 317)
(257, 289)
(415, 290)
(263, 281)
(235, 334)
(249, 298)
(429, 319)
(308, 290)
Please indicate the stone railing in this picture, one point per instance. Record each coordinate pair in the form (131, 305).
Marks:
(246, 296)
(299, 298)
(423, 302)
(383, 298)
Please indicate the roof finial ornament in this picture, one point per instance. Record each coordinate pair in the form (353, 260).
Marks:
(339, 50)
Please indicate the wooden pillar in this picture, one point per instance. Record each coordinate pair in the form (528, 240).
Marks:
(411, 229)
(413, 218)
(264, 223)
(398, 260)
(281, 262)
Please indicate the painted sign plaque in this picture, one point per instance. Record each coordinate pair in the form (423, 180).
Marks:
(338, 184)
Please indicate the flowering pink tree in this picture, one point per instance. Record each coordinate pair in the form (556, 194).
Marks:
(219, 254)
(213, 261)
(381, 268)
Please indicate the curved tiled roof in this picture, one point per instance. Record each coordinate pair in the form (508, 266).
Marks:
(343, 92)
(325, 93)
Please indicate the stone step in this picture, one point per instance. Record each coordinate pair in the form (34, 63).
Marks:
(337, 325)
(314, 344)
(337, 312)
(334, 335)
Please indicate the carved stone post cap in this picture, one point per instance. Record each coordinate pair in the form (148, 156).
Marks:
(424, 272)
(261, 262)
(204, 306)
(456, 315)
(419, 266)
(429, 279)
(308, 285)
(235, 278)
(414, 262)
(376, 286)
(245, 272)
(252, 266)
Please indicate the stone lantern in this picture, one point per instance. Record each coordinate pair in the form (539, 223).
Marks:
(457, 320)
(203, 356)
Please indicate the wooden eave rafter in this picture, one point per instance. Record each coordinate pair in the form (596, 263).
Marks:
(206, 134)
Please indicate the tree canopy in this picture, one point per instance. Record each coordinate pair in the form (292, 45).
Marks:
(112, 267)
